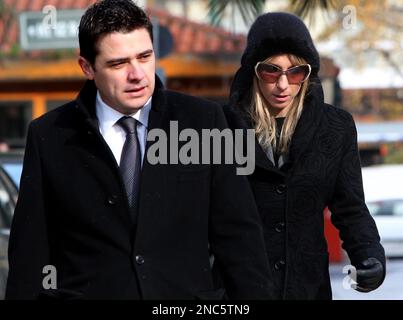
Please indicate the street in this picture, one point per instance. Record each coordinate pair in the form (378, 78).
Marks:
(391, 289)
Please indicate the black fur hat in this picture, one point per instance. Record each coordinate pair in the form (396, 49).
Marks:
(273, 33)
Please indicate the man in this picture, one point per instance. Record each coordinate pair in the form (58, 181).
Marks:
(135, 230)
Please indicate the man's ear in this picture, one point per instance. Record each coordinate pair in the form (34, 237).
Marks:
(86, 67)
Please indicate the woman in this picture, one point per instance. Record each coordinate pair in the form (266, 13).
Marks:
(306, 160)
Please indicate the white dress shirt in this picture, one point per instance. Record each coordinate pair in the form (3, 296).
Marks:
(113, 134)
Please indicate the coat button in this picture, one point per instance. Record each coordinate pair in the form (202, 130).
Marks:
(140, 259)
(280, 188)
(279, 265)
(279, 227)
(112, 200)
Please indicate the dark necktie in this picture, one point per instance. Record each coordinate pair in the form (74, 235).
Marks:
(130, 161)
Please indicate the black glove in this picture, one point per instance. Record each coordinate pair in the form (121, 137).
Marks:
(370, 275)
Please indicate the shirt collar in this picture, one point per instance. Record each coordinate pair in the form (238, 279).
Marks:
(108, 116)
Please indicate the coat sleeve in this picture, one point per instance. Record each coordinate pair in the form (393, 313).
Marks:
(236, 236)
(28, 251)
(349, 212)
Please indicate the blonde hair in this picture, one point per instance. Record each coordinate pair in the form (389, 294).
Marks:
(265, 124)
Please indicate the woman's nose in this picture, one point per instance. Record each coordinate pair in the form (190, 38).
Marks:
(282, 82)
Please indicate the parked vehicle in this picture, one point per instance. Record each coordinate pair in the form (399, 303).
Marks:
(383, 187)
(10, 172)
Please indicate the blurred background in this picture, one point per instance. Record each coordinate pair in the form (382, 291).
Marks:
(199, 45)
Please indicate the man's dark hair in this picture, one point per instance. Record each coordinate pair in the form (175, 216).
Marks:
(107, 16)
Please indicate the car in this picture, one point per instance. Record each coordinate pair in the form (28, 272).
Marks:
(383, 188)
(11, 162)
(10, 173)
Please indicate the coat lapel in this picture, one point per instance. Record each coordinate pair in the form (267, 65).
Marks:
(153, 177)
(86, 106)
(307, 125)
(158, 109)
(264, 160)
(238, 118)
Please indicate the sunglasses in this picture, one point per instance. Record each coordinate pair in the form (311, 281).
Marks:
(270, 73)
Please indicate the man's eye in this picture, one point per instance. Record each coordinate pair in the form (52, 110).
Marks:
(117, 65)
(145, 56)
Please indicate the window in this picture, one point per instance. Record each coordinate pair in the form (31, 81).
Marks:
(14, 119)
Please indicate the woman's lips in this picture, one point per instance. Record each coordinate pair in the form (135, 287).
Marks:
(280, 98)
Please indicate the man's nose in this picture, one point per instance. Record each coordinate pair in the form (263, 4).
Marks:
(135, 72)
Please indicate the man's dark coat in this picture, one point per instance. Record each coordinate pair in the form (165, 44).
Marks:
(72, 213)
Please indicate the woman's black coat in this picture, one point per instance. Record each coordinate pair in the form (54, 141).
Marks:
(323, 170)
